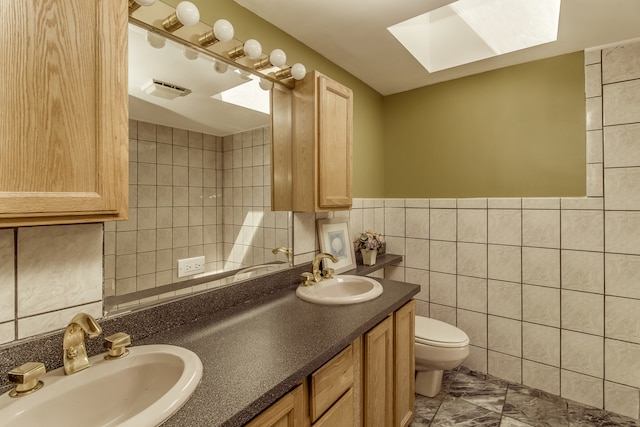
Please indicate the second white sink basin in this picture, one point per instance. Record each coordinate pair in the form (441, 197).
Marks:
(345, 289)
(142, 389)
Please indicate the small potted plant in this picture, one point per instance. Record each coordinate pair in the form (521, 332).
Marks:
(370, 244)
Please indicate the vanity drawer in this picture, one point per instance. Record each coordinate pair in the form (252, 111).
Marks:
(330, 382)
(340, 414)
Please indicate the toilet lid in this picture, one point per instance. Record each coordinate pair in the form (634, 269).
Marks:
(440, 334)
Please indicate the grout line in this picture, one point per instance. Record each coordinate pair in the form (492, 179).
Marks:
(604, 221)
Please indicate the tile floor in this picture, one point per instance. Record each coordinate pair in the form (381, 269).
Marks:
(472, 399)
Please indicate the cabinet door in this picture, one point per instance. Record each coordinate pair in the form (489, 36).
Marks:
(286, 412)
(404, 364)
(378, 375)
(63, 78)
(335, 134)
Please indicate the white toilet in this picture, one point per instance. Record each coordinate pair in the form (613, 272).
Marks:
(439, 346)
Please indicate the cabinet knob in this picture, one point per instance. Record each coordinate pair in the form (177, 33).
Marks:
(116, 345)
(25, 377)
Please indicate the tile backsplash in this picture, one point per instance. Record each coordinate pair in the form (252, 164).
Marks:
(48, 274)
(546, 288)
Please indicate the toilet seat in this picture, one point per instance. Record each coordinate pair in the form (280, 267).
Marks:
(439, 334)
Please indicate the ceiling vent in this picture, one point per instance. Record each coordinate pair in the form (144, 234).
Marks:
(164, 90)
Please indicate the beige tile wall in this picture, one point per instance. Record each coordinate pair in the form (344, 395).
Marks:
(548, 289)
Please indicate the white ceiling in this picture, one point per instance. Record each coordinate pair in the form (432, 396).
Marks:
(353, 34)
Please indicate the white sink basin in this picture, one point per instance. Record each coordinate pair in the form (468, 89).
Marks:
(341, 290)
(142, 389)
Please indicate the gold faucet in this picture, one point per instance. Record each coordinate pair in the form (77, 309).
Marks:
(286, 251)
(317, 273)
(74, 350)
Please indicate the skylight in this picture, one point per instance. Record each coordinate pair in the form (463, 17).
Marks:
(247, 95)
(466, 31)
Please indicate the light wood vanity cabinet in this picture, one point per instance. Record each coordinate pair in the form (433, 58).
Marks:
(370, 383)
(317, 175)
(404, 364)
(288, 411)
(64, 153)
(378, 375)
(329, 383)
(389, 369)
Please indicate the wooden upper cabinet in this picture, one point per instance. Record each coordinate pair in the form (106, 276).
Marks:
(63, 114)
(318, 175)
(335, 135)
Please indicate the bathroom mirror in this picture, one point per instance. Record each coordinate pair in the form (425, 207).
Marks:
(199, 178)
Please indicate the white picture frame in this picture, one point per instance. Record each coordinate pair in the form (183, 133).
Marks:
(335, 239)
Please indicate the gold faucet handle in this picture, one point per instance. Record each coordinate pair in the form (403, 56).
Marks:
(307, 278)
(328, 273)
(25, 377)
(116, 345)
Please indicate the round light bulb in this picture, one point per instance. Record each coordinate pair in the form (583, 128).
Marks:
(145, 2)
(220, 67)
(253, 49)
(277, 58)
(223, 30)
(265, 84)
(187, 13)
(298, 71)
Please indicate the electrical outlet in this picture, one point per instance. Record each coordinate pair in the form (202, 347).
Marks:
(189, 266)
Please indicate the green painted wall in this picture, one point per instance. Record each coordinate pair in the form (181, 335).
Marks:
(518, 131)
(513, 132)
(368, 145)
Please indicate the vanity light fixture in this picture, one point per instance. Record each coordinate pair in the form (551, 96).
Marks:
(222, 31)
(297, 71)
(277, 58)
(251, 49)
(135, 4)
(186, 14)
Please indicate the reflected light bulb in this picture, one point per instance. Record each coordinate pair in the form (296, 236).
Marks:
(252, 48)
(155, 40)
(223, 30)
(277, 57)
(220, 67)
(190, 54)
(265, 84)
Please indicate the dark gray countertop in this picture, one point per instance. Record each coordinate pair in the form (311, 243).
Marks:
(256, 352)
(256, 340)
